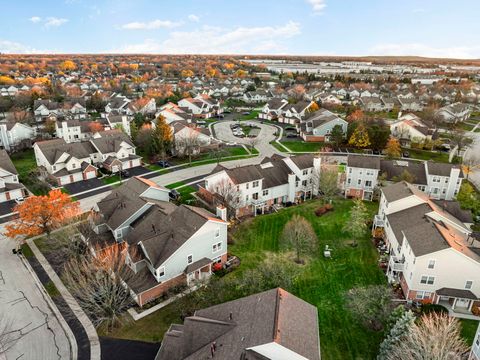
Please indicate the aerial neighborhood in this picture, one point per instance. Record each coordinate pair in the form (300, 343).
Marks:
(244, 207)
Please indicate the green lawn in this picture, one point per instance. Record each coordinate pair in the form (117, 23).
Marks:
(300, 146)
(253, 115)
(469, 328)
(323, 281)
(278, 146)
(111, 179)
(428, 155)
(24, 162)
(466, 127)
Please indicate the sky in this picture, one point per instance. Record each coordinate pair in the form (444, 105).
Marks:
(434, 28)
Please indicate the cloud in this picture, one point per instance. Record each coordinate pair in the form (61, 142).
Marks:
(317, 6)
(418, 49)
(35, 19)
(217, 40)
(151, 25)
(11, 47)
(54, 22)
(418, 11)
(194, 18)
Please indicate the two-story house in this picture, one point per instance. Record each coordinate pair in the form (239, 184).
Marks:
(10, 188)
(247, 328)
(361, 176)
(318, 125)
(73, 130)
(16, 135)
(168, 245)
(454, 113)
(273, 109)
(432, 255)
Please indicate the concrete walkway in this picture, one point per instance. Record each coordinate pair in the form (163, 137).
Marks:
(95, 351)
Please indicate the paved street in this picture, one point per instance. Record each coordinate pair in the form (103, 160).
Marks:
(23, 307)
(262, 143)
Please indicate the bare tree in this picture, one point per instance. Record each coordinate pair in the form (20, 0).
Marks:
(371, 305)
(252, 142)
(218, 154)
(437, 336)
(328, 182)
(99, 284)
(228, 195)
(298, 234)
(470, 164)
(188, 144)
(460, 140)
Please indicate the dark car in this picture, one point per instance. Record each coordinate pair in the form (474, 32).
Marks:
(291, 135)
(246, 113)
(163, 164)
(174, 194)
(124, 173)
(406, 154)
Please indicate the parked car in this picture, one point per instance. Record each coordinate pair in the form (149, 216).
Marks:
(163, 163)
(124, 173)
(246, 113)
(291, 135)
(406, 154)
(174, 194)
(220, 116)
(20, 200)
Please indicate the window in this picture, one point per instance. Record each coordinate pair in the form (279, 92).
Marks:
(255, 196)
(349, 170)
(304, 183)
(349, 181)
(161, 271)
(429, 280)
(247, 186)
(468, 284)
(359, 182)
(217, 232)
(265, 192)
(54, 168)
(189, 259)
(74, 165)
(246, 198)
(368, 183)
(446, 180)
(431, 264)
(305, 172)
(255, 183)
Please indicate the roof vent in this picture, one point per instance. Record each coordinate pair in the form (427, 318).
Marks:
(266, 165)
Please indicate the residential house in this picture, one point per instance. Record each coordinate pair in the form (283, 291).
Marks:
(432, 255)
(145, 106)
(168, 245)
(15, 135)
(259, 188)
(117, 103)
(294, 113)
(257, 96)
(73, 130)
(411, 129)
(202, 106)
(189, 138)
(364, 174)
(454, 113)
(410, 104)
(10, 188)
(273, 109)
(318, 125)
(115, 151)
(371, 104)
(64, 162)
(172, 112)
(247, 328)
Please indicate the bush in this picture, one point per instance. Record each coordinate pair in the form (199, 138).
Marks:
(476, 310)
(323, 210)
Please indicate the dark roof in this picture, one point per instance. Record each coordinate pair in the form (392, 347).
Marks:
(164, 230)
(397, 191)
(197, 265)
(6, 163)
(54, 149)
(424, 237)
(454, 209)
(362, 161)
(303, 161)
(394, 168)
(271, 316)
(441, 169)
(458, 293)
(110, 141)
(244, 174)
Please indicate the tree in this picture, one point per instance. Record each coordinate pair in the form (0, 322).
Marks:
(228, 195)
(298, 234)
(397, 332)
(393, 149)
(357, 224)
(437, 336)
(405, 176)
(328, 182)
(49, 127)
(162, 137)
(68, 65)
(469, 198)
(9, 336)
(336, 135)
(460, 140)
(470, 163)
(144, 140)
(378, 133)
(370, 305)
(356, 115)
(42, 214)
(188, 144)
(360, 137)
(98, 283)
(95, 127)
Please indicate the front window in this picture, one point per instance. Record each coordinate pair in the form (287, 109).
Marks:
(255, 196)
(305, 172)
(255, 183)
(431, 264)
(189, 259)
(265, 192)
(429, 280)
(468, 284)
(161, 271)
(217, 232)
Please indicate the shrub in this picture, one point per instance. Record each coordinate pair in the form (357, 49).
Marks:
(323, 210)
(429, 308)
(476, 310)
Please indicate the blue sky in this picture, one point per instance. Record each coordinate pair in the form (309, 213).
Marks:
(440, 28)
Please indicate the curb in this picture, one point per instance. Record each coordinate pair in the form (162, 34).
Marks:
(66, 329)
(95, 350)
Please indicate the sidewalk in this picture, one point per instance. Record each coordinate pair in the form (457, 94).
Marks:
(95, 351)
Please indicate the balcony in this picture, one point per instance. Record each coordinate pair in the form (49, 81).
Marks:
(397, 264)
(378, 221)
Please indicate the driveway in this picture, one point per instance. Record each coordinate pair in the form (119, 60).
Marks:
(23, 308)
(84, 185)
(224, 133)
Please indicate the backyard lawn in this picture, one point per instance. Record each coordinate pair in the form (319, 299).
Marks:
(300, 146)
(24, 162)
(428, 155)
(469, 328)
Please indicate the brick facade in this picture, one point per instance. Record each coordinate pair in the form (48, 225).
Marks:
(157, 291)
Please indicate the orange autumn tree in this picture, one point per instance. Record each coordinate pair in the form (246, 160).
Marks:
(95, 127)
(42, 214)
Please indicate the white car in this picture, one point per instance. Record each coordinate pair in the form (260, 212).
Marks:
(20, 200)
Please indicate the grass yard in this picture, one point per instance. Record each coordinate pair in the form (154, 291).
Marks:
(428, 155)
(278, 146)
(323, 281)
(469, 328)
(466, 126)
(253, 115)
(24, 162)
(300, 146)
(111, 179)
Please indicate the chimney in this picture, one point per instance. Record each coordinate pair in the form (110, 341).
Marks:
(222, 212)
(213, 348)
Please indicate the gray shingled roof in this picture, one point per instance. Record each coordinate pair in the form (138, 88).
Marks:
(397, 191)
(6, 163)
(394, 169)
(362, 161)
(271, 316)
(53, 149)
(441, 169)
(110, 141)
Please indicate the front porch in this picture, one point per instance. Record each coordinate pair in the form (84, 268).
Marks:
(198, 271)
(458, 302)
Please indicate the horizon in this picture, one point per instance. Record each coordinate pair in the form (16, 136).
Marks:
(318, 28)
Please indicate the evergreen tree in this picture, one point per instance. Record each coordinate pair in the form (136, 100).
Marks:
(401, 327)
